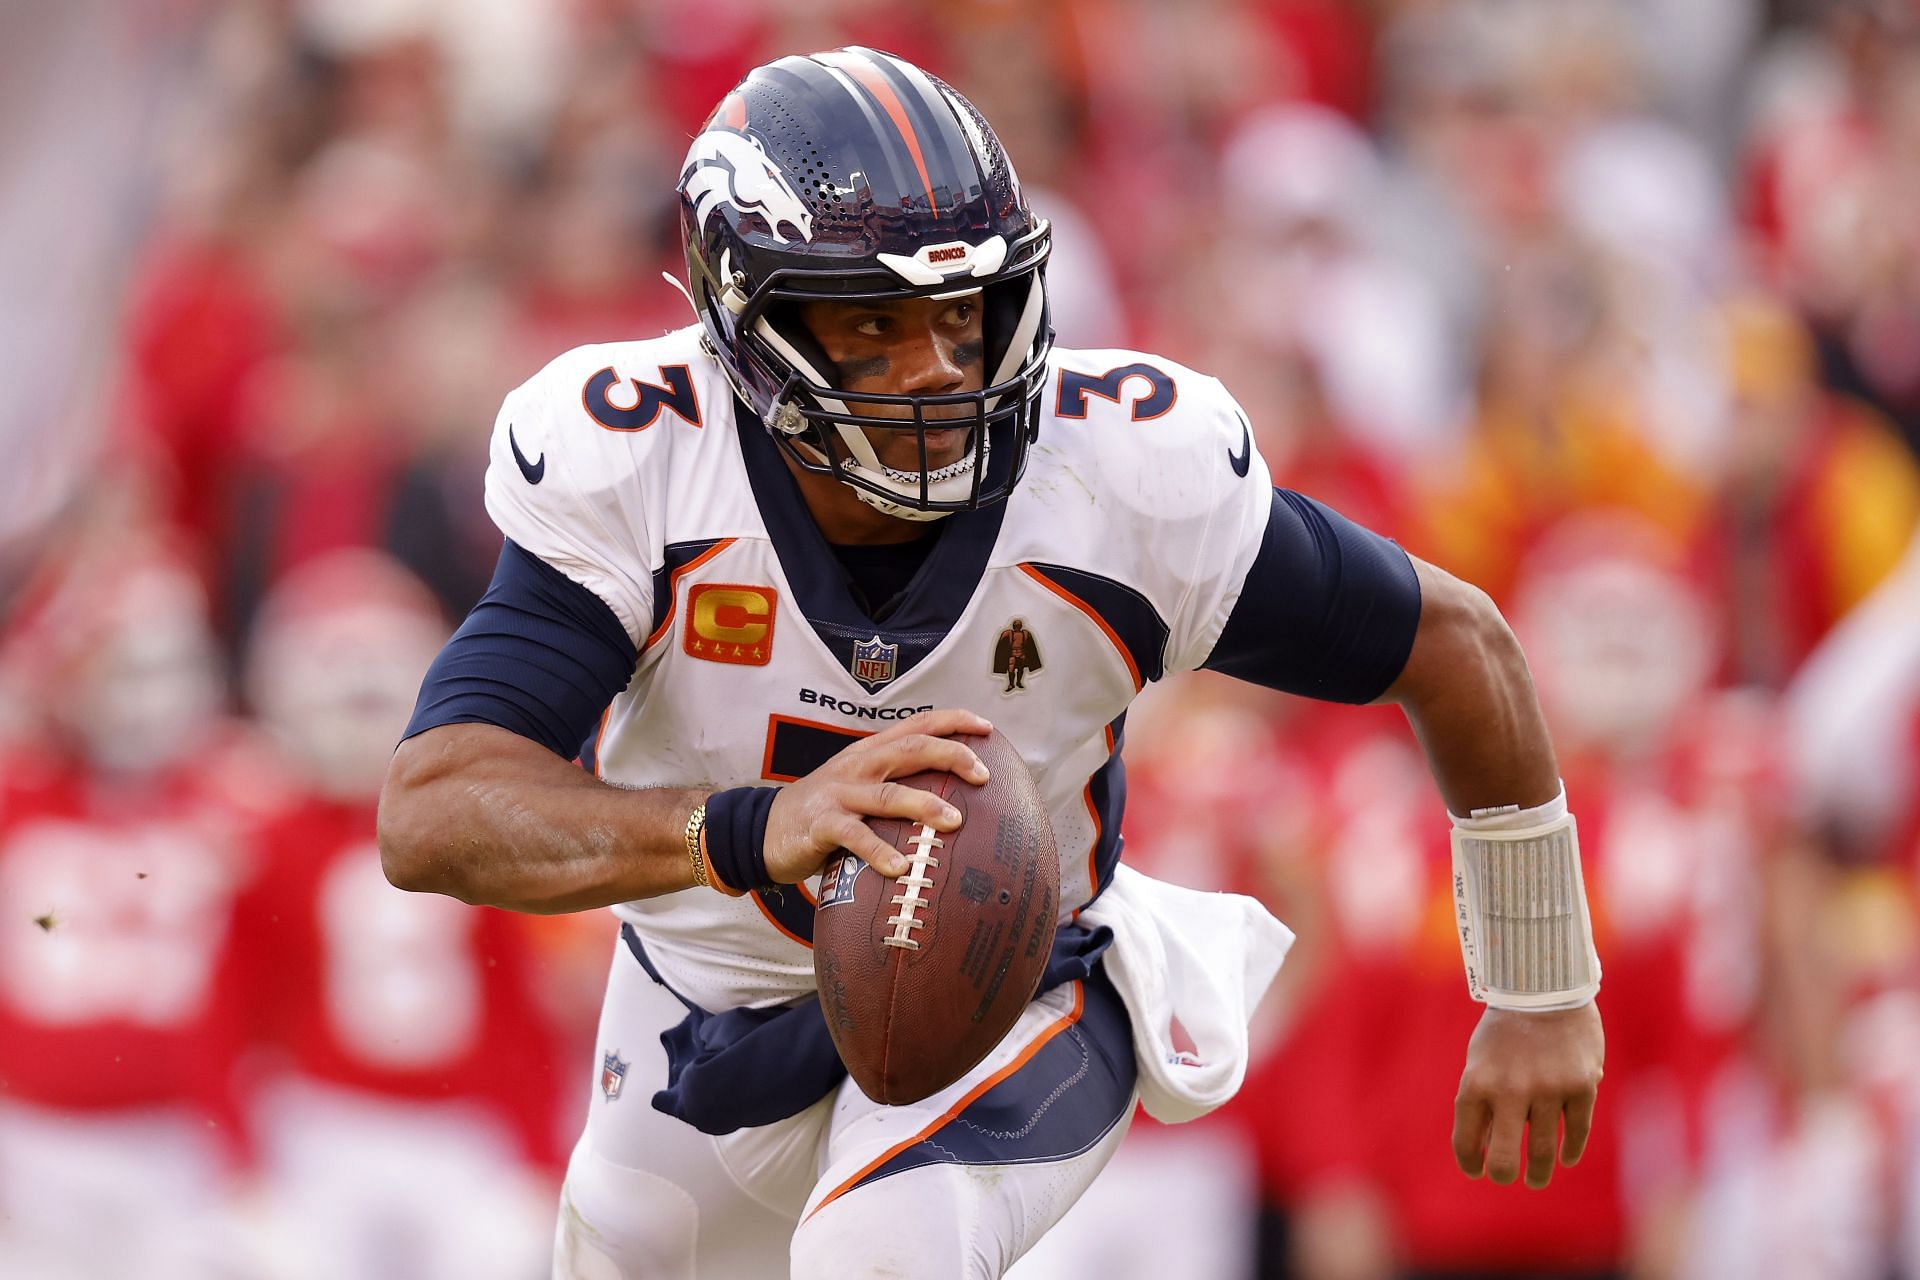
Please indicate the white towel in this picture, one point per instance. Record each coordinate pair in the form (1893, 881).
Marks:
(1203, 958)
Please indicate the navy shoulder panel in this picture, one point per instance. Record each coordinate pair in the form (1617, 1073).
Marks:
(1127, 616)
(1328, 609)
(540, 655)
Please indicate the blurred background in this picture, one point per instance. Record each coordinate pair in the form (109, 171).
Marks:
(1611, 306)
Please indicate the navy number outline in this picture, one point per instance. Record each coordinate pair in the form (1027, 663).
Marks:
(804, 746)
(674, 391)
(1161, 395)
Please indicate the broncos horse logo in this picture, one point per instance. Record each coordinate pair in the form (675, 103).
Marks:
(724, 167)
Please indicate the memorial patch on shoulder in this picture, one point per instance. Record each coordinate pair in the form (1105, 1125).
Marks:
(1016, 655)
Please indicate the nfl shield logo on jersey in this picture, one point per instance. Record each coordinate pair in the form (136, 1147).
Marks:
(613, 1074)
(873, 662)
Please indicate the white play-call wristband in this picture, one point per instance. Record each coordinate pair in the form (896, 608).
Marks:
(1520, 905)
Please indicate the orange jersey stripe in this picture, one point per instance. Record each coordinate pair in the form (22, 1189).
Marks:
(1093, 848)
(673, 587)
(776, 924)
(1053, 1029)
(1133, 669)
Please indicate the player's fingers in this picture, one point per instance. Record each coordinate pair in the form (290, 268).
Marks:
(1503, 1141)
(898, 800)
(919, 751)
(861, 753)
(941, 722)
(1470, 1117)
(1579, 1126)
(857, 838)
(1543, 1142)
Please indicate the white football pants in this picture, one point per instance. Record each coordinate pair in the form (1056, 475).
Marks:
(847, 1188)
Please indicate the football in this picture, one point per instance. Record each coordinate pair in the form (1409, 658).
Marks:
(921, 976)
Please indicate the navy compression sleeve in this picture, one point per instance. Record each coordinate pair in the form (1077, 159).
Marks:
(540, 655)
(1328, 610)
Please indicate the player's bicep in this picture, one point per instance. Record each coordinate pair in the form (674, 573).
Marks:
(1328, 609)
(540, 656)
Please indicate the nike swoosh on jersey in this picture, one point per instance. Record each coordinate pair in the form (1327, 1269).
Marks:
(1241, 460)
(536, 471)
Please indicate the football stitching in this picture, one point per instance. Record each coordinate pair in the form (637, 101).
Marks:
(924, 842)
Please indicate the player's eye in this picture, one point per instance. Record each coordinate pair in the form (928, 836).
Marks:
(874, 326)
(961, 313)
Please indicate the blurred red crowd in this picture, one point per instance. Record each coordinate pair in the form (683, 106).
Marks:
(1613, 310)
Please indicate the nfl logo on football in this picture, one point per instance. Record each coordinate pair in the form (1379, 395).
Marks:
(836, 885)
(873, 661)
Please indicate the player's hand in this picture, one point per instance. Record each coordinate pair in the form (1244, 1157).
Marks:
(827, 810)
(1527, 1075)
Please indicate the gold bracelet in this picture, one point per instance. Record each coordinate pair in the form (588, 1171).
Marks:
(696, 827)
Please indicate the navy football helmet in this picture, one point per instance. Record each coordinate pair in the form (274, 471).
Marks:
(855, 175)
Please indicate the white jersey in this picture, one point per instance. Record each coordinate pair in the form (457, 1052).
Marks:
(1117, 559)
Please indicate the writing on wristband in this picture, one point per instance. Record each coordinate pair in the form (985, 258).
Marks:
(1520, 907)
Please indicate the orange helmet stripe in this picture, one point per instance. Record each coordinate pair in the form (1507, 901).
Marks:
(874, 81)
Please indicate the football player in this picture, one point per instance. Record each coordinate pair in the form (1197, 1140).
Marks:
(123, 855)
(411, 1083)
(760, 568)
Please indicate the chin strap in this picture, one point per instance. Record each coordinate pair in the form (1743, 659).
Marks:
(906, 482)
(681, 289)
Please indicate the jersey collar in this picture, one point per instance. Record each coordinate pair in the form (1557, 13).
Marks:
(933, 601)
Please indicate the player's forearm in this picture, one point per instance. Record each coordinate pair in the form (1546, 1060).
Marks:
(488, 817)
(1467, 692)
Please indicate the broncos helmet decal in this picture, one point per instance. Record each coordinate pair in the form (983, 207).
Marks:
(724, 167)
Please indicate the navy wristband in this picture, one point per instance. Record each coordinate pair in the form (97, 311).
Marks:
(737, 836)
